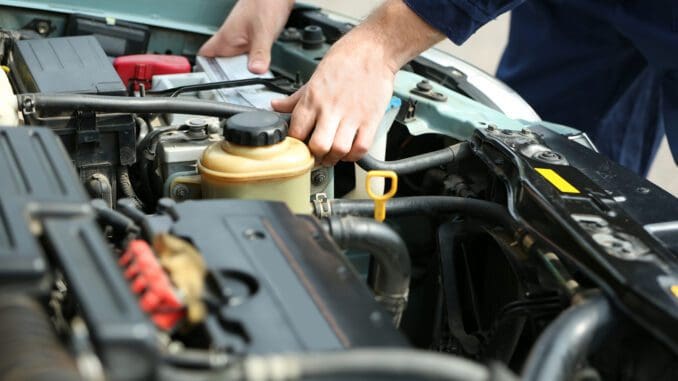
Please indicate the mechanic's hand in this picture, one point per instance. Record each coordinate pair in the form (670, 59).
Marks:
(344, 100)
(252, 26)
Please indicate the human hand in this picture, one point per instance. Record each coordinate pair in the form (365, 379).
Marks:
(342, 104)
(251, 27)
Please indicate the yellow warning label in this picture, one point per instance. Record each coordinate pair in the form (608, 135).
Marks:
(554, 178)
(674, 290)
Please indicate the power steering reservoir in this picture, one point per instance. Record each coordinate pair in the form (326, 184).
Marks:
(257, 160)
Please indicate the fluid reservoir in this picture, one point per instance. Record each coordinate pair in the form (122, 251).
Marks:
(9, 115)
(257, 160)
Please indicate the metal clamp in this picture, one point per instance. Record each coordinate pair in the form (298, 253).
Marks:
(321, 205)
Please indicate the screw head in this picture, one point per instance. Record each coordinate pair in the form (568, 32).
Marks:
(424, 85)
(181, 192)
(318, 178)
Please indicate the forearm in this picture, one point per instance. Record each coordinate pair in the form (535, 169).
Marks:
(397, 33)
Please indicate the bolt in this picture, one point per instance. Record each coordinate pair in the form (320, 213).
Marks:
(643, 190)
(318, 178)
(549, 156)
(424, 85)
(181, 192)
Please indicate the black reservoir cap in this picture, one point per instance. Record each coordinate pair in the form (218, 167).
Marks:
(255, 129)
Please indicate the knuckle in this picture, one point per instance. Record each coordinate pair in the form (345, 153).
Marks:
(340, 149)
(319, 148)
(360, 148)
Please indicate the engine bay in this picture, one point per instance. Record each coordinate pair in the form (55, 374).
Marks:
(156, 222)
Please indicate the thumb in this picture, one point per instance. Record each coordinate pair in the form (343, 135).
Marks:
(260, 55)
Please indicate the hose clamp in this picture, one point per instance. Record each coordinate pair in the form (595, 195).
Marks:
(321, 205)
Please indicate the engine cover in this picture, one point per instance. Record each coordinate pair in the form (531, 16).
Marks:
(282, 283)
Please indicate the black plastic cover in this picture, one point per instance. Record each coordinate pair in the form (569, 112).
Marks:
(46, 224)
(616, 227)
(35, 173)
(117, 38)
(64, 65)
(255, 129)
(283, 284)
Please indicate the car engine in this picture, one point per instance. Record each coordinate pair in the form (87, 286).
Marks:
(156, 222)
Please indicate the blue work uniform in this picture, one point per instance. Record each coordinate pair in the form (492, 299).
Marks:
(608, 68)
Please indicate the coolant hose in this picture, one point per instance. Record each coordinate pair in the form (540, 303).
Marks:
(418, 163)
(29, 347)
(356, 364)
(568, 340)
(104, 103)
(427, 205)
(392, 270)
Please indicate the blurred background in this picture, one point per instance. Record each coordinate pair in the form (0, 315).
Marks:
(484, 50)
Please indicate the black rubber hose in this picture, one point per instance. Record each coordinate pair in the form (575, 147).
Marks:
(403, 364)
(29, 347)
(568, 340)
(393, 267)
(99, 187)
(104, 103)
(126, 187)
(118, 221)
(427, 205)
(142, 126)
(149, 139)
(418, 163)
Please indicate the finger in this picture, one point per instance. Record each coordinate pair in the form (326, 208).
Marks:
(302, 122)
(216, 46)
(323, 135)
(208, 49)
(287, 104)
(343, 140)
(363, 141)
(260, 54)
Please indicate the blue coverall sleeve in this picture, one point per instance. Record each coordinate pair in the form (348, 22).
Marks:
(459, 19)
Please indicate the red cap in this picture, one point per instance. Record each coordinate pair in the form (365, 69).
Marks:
(140, 68)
